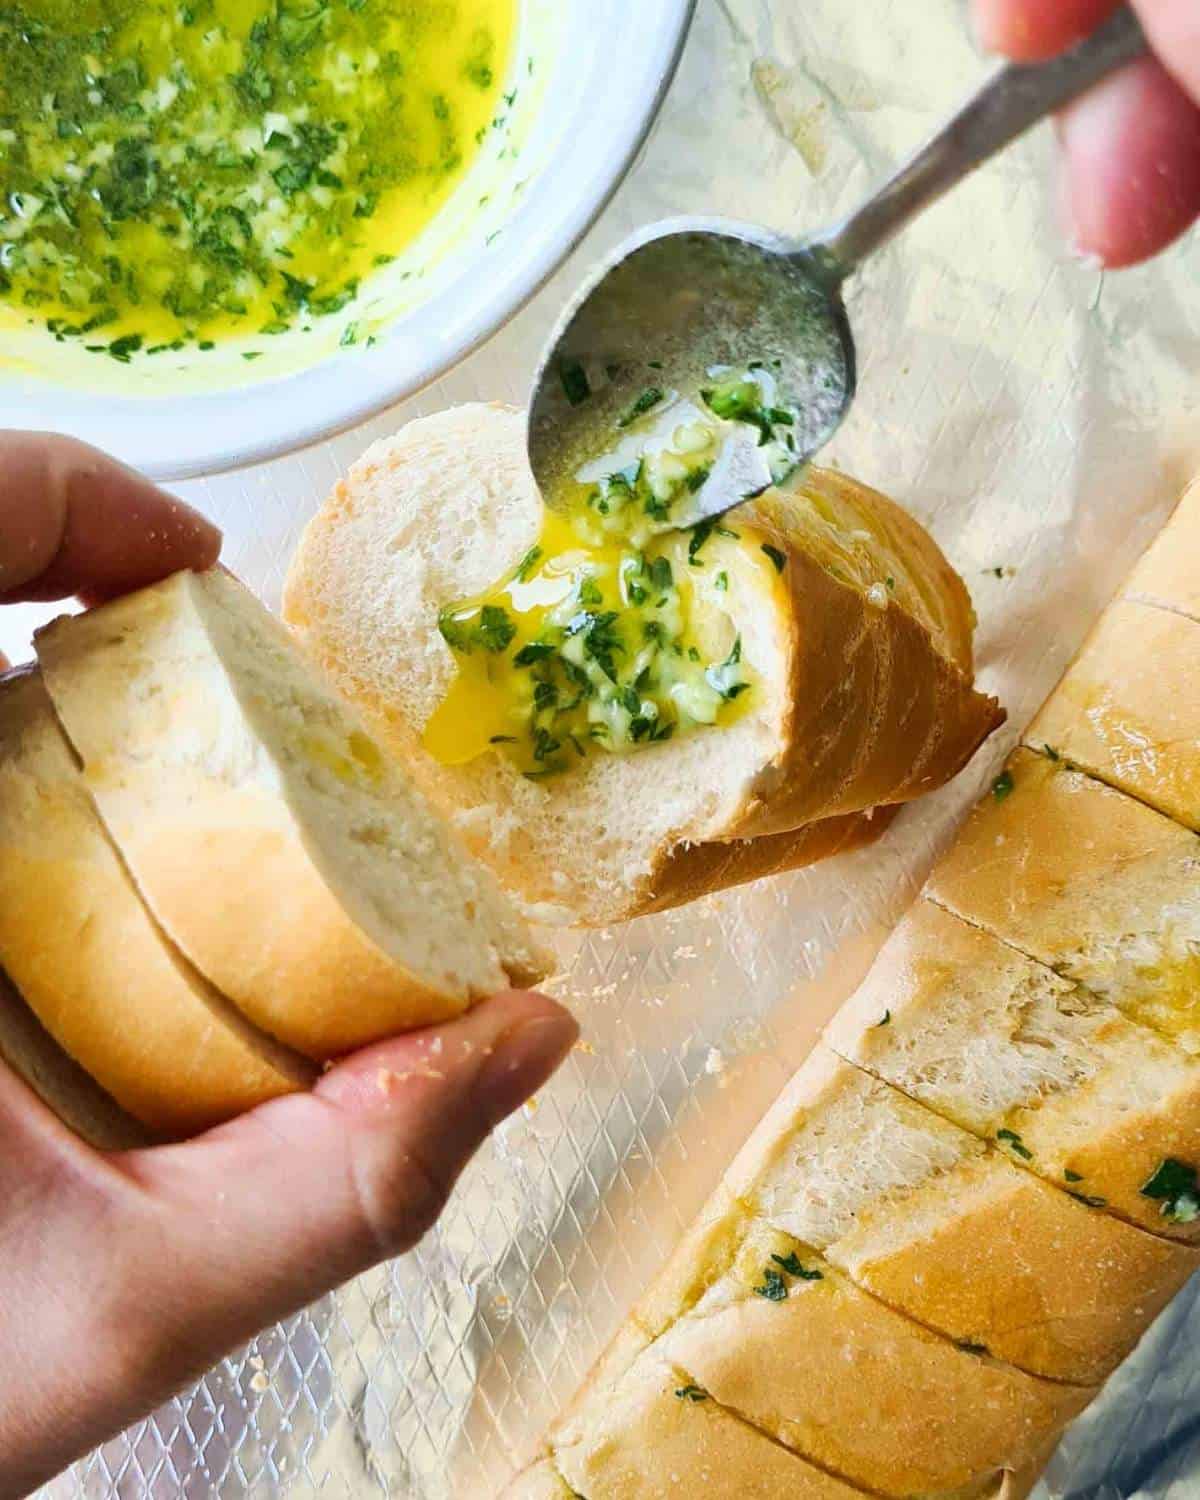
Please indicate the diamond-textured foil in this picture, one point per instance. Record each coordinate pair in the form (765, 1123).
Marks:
(1040, 418)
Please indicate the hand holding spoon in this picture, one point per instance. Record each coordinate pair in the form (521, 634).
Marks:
(689, 298)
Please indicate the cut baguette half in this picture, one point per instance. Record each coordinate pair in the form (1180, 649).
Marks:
(29, 1050)
(91, 964)
(1067, 1087)
(273, 840)
(1092, 883)
(860, 643)
(1128, 710)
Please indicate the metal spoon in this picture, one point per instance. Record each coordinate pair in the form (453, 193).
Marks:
(686, 295)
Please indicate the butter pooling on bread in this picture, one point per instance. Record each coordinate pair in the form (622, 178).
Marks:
(277, 845)
(858, 639)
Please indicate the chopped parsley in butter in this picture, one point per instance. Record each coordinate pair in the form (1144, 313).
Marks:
(175, 172)
(613, 631)
(1174, 1187)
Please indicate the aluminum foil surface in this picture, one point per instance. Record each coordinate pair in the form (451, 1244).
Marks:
(1040, 417)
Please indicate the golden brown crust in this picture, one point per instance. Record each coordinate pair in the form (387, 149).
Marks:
(1128, 710)
(859, 1390)
(879, 713)
(214, 833)
(90, 962)
(1168, 575)
(962, 1239)
(61, 1084)
(987, 1037)
(690, 871)
(1017, 1268)
(870, 538)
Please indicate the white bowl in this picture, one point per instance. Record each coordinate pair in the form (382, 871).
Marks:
(589, 76)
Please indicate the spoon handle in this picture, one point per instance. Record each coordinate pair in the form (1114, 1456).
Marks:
(1014, 98)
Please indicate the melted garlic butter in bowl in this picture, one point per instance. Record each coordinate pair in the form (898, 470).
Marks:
(229, 227)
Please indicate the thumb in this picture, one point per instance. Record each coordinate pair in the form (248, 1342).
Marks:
(73, 521)
(262, 1215)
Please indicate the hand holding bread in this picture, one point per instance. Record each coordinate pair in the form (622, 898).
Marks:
(149, 1264)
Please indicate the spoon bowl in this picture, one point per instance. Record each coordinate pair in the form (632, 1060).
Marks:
(665, 317)
(690, 300)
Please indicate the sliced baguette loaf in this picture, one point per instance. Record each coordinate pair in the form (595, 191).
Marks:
(1067, 1098)
(89, 961)
(860, 642)
(28, 1049)
(1087, 880)
(920, 1213)
(275, 842)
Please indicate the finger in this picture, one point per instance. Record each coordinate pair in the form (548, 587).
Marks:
(73, 521)
(1132, 175)
(270, 1211)
(1173, 27)
(1030, 30)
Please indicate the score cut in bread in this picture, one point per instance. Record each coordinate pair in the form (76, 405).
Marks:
(275, 843)
(857, 631)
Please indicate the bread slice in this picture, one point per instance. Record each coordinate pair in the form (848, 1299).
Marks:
(856, 1388)
(1089, 881)
(860, 642)
(36, 1058)
(656, 1435)
(272, 838)
(1128, 710)
(1068, 1087)
(1167, 576)
(89, 961)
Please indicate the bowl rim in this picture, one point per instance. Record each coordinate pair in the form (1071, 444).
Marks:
(320, 419)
